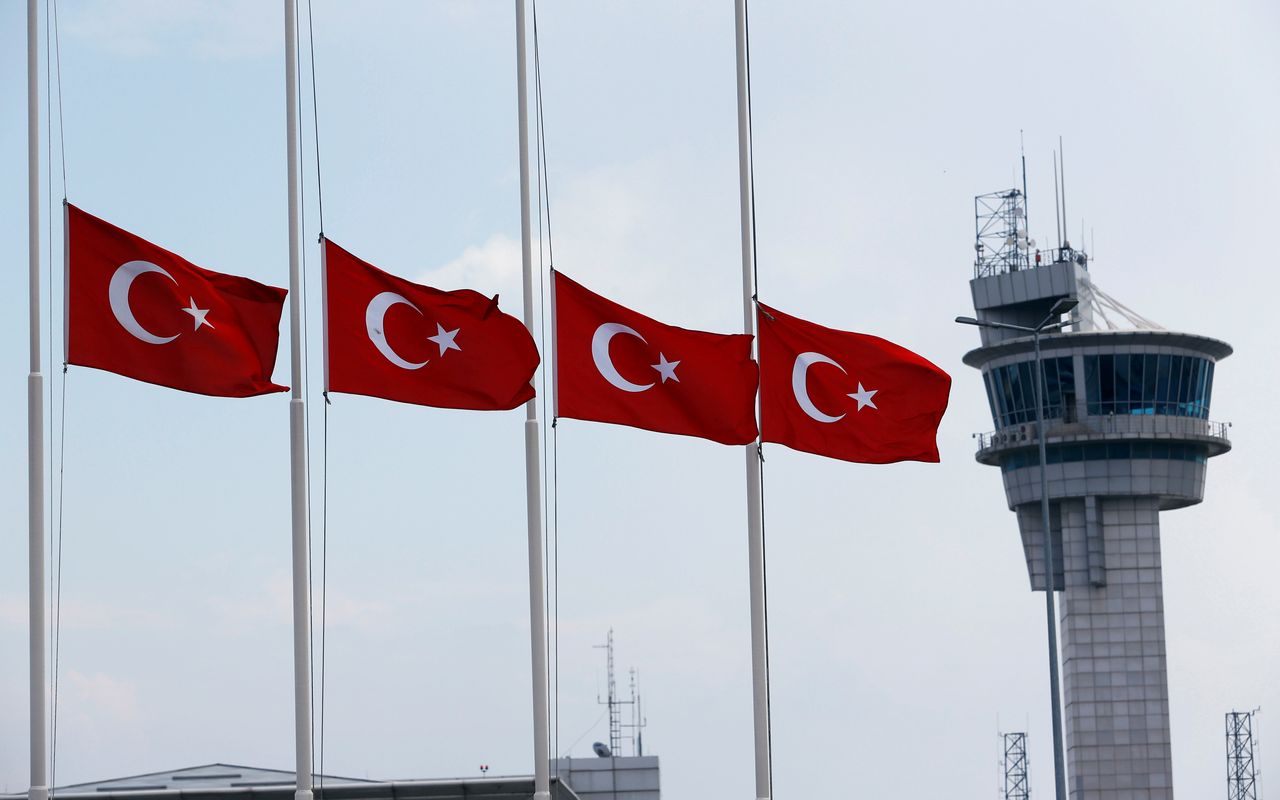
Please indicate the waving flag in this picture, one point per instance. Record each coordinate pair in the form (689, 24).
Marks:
(846, 395)
(138, 310)
(390, 338)
(616, 365)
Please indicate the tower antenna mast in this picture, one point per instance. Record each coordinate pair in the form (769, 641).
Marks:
(611, 698)
(1062, 163)
(1026, 212)
(638, 720)
(1057, 213)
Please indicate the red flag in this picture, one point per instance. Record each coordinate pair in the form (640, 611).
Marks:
(389, 338)
(846, 395)
(138, 310)
(615, 365)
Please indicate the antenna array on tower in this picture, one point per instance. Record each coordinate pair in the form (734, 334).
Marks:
(1016, 785)
(1242, 783)
(1000, 227)
(638, 720)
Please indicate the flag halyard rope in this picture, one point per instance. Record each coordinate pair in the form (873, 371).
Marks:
(315, 121)
(317, 709)
(53, 90)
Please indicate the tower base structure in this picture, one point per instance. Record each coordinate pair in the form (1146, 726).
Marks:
(1114, 672)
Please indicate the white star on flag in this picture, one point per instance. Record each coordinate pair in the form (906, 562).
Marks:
(198, 314)
(665, 368)
(863, 396)
(444, 339)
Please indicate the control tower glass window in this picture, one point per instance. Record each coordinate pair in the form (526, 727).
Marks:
(1148, 383)
(1011, 391)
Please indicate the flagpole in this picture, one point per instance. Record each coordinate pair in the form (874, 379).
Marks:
(755, 527)
(297, 433)
(35, 423)
(532, 462)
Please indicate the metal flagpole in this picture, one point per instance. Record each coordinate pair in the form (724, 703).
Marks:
(755, 528)
(532, 464)
(297, 432)
(35, 423)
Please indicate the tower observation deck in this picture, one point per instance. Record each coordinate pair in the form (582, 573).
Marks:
(1128, 435)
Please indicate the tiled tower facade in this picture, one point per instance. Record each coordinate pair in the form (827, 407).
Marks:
(1128, 436)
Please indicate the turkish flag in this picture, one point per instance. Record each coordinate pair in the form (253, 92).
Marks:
(389, 338)
(846, 395)
(138, 310)
(615, 365)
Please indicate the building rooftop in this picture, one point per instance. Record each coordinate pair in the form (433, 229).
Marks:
(610, 778)
(233, 782)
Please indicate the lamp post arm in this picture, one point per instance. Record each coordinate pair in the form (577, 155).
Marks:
(982, 323)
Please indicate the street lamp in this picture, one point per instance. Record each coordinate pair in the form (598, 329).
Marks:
(1063, 305)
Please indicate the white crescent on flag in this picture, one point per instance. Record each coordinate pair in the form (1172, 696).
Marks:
(374, 316)
(600, 354)
(118, 294)
(799, 373)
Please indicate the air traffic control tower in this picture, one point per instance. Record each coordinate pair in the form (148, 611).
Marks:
(1128, 436)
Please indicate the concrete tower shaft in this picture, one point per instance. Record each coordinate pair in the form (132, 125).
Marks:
(1128, 435)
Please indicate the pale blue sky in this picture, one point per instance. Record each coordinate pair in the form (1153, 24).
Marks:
(902, 627)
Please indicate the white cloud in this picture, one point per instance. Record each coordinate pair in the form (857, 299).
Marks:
(489, 268)
(100, 697)
(623, 231)
(220, 30)
(13, 611)
(95, 615)
(272, 604)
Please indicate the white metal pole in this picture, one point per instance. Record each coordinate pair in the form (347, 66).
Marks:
(532, 462)
(297, 432)
(35, 421)
(755, 528)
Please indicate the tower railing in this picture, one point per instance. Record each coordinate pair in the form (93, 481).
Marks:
(1073, 421)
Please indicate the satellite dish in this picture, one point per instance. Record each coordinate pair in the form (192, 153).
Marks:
(1009, 240)
(1031, 243)
(601, 749)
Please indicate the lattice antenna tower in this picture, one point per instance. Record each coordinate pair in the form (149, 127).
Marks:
(1017, 784)
(1000, 231)
(1242, 779)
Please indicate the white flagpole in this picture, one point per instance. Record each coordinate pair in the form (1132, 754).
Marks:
(755, 528)
(297, 433)
(532, 463)
(35, 422)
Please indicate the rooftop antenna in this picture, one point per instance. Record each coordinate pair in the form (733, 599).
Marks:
(1063, 169)
(1057, 214)
(1026, 213)
(638, 719)
(615, 705)
(611, 697)
(1017, 784)
(1242, 775)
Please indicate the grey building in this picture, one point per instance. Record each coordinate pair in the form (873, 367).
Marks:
(1128, 436)
(632, 778)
